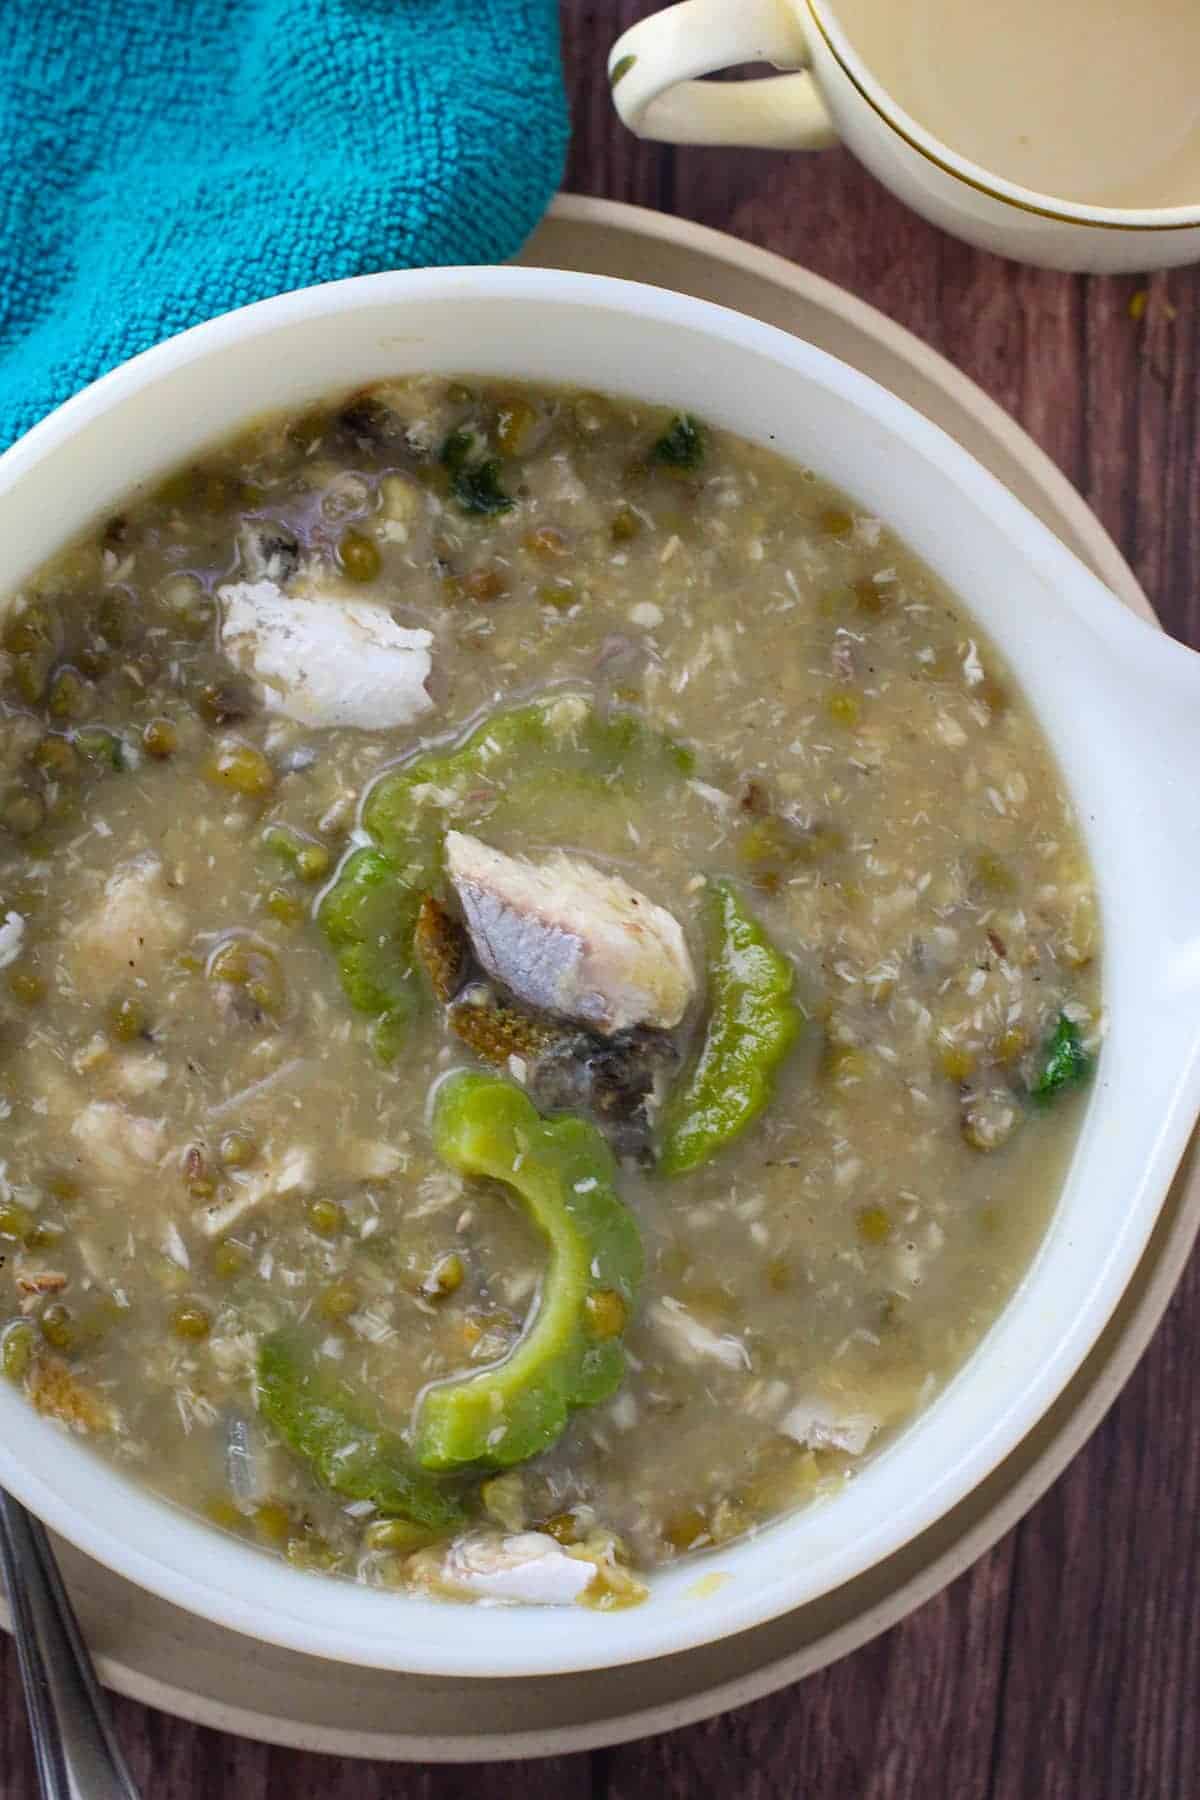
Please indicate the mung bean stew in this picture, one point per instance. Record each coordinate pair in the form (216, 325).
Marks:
(547, 977)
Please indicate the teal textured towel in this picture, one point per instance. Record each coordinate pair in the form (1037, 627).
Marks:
(162, 161)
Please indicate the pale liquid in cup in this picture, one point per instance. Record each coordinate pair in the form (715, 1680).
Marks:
(1095, 101)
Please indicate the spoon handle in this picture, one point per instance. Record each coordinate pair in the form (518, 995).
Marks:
(78, 1757)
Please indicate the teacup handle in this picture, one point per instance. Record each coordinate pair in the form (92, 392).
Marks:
(653, 67)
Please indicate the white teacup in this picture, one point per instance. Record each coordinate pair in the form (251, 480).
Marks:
(1060, 132)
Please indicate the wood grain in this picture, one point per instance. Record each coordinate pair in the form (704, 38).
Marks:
(1066, 1664)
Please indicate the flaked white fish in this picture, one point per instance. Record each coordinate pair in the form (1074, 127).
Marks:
(819, 1427)
(524, 1567)
(570, 939)
(12, 933)
(693, 1342)
(129, 932)
(116, 1145)
(326, 660)
(276, 1177)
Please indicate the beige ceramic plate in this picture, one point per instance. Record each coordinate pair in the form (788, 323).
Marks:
(165, 1657)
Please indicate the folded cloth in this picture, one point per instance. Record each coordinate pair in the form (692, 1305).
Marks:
(162, 161)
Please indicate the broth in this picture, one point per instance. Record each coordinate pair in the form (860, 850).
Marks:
(583, 663)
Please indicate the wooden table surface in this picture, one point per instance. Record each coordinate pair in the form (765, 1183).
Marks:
(1066, 1664)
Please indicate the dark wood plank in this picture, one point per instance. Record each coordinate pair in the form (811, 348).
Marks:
(173, 1760)
(1103, 1670)
(883, 1723)
(168, 1756)
(605, 160)
(1143, 434)
(18, 1780)
(298, 1777)
(1066, 1664)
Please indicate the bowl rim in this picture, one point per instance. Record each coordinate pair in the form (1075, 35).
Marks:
(291, 1622)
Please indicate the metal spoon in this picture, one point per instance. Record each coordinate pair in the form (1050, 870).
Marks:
(78, 1757)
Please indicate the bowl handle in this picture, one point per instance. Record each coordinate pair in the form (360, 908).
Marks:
(652, 71)
(1154, 710)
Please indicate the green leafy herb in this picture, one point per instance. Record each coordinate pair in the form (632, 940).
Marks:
(474, 476)
(460, 448)
(620, 69)
(1064, 1064)
(681, 445)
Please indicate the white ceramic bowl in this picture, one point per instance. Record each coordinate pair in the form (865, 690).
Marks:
(1120, 703)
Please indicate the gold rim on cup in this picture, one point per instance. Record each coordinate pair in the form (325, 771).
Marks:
(846, 60)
